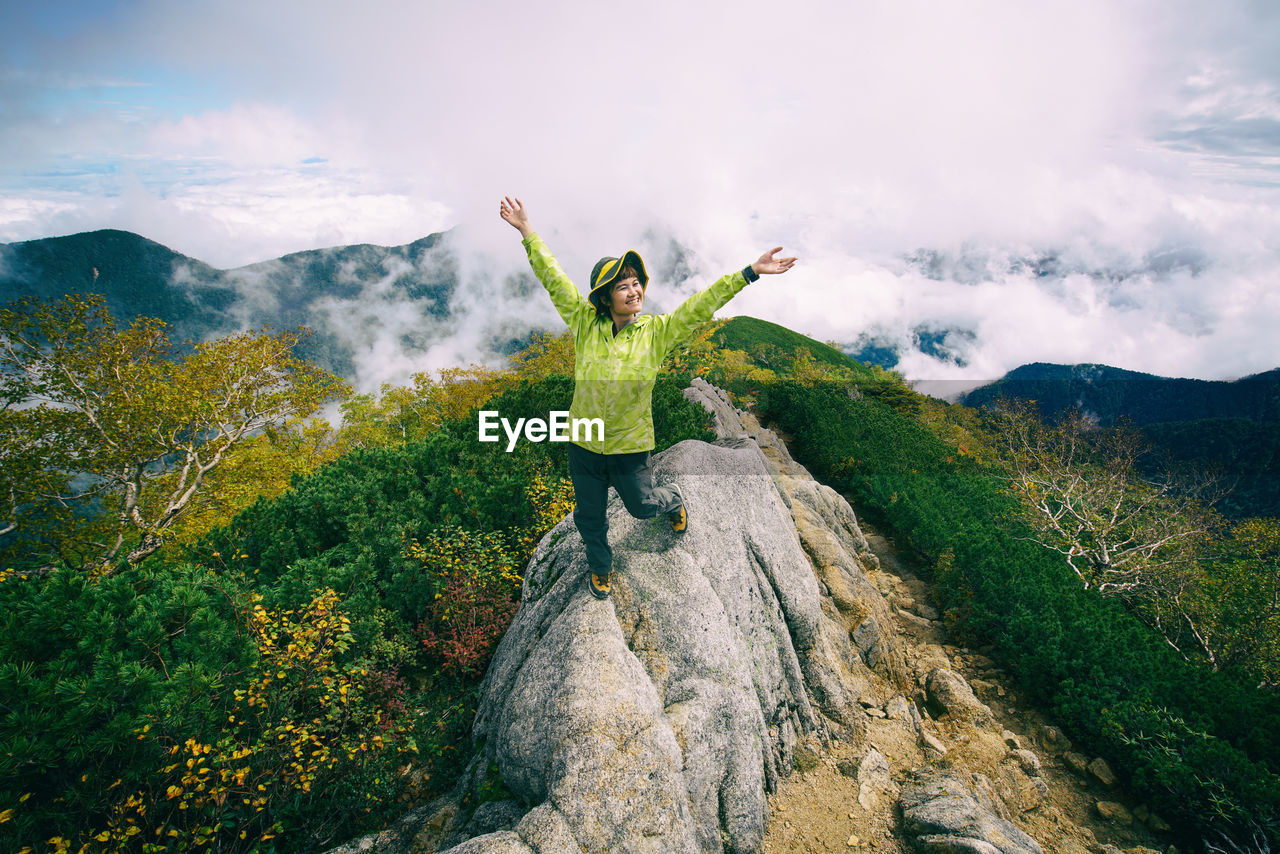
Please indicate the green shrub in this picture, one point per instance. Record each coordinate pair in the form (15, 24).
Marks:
(88, 666)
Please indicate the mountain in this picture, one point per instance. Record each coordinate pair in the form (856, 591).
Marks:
(340, 293)
(1110, 394)
(773, 346)
(136, 275)
(1232, 428)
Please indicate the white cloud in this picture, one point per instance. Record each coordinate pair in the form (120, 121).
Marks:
(1095, 132)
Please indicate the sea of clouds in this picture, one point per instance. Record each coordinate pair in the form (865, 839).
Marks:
(969, 186)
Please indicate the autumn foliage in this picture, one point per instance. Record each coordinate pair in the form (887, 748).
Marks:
(125, 422)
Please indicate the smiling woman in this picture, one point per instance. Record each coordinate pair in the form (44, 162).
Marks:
(618, 352)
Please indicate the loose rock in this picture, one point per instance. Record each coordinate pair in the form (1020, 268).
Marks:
(949, 694)
(1102, 772)
(896, 709)
(941, 813)
(1053, 740)
(1075, 761)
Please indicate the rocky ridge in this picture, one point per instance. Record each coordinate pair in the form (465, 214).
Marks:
(763, 683)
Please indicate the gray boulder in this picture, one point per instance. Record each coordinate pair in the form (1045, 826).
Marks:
(659, 719)
(941, 813)
(950, 695)
(828, 532)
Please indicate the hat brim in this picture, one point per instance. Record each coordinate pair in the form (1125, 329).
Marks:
(612, 269)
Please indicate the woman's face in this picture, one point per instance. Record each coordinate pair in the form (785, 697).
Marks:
(626, 296)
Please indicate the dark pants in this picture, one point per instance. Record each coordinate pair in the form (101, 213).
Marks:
(592, 475)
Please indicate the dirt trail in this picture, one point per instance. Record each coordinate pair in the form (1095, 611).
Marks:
(824, 809)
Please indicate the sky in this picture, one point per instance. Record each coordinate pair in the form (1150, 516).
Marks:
(977, 184)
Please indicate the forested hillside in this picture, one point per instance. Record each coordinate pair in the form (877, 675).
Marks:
(1230, 429)
(140, 278)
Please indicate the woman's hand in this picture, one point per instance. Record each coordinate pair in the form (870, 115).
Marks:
(768, 264)
(512, 210)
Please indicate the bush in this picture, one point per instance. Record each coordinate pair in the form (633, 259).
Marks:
(86, 666)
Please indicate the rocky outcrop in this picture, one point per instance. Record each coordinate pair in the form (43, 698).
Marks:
(759, 643)
(950, 695)
(659, 719)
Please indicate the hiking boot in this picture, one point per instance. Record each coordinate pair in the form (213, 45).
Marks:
(598, 585)
(679, 517)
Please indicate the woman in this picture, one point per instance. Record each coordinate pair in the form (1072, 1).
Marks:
(618, 353)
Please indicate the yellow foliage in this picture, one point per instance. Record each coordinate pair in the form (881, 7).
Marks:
(301, 723)
(545, 356)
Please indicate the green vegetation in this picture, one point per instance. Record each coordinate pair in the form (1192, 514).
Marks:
(1231, 429)
(109, 433)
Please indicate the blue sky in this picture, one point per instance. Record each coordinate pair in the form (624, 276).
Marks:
(1108, 135)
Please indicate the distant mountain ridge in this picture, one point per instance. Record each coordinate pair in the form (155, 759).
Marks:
(133, 273)
(1112, 393)
(1231, 427)
(314, 288)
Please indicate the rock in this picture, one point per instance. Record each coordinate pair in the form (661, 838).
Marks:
(875, 713)
(546, 831)
(853, 841)
(873, 779)
(930, 742)
(912, 619)
(1010, 740)
(494, 816)
(1053, 740)
(418, 830)
(1029, 761)
(1102, 772)
(1018, 784)
(896, 708)
(1114, 813)
(657, 719)
(981, 662)
(503, 842)
(1075, 761)
(982, 687)
(1141, 813)
(940, 812)
(950, 695)
(927, 612)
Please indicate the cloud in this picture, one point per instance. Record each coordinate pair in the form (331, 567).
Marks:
(1101, 141)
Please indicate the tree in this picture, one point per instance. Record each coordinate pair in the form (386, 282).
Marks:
(1241, 600)
(1122, 533)
(121, 421)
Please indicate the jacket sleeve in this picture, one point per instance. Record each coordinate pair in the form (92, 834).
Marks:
(569, 302)
(697, 309)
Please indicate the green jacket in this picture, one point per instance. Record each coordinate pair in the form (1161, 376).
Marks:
(614, 375)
